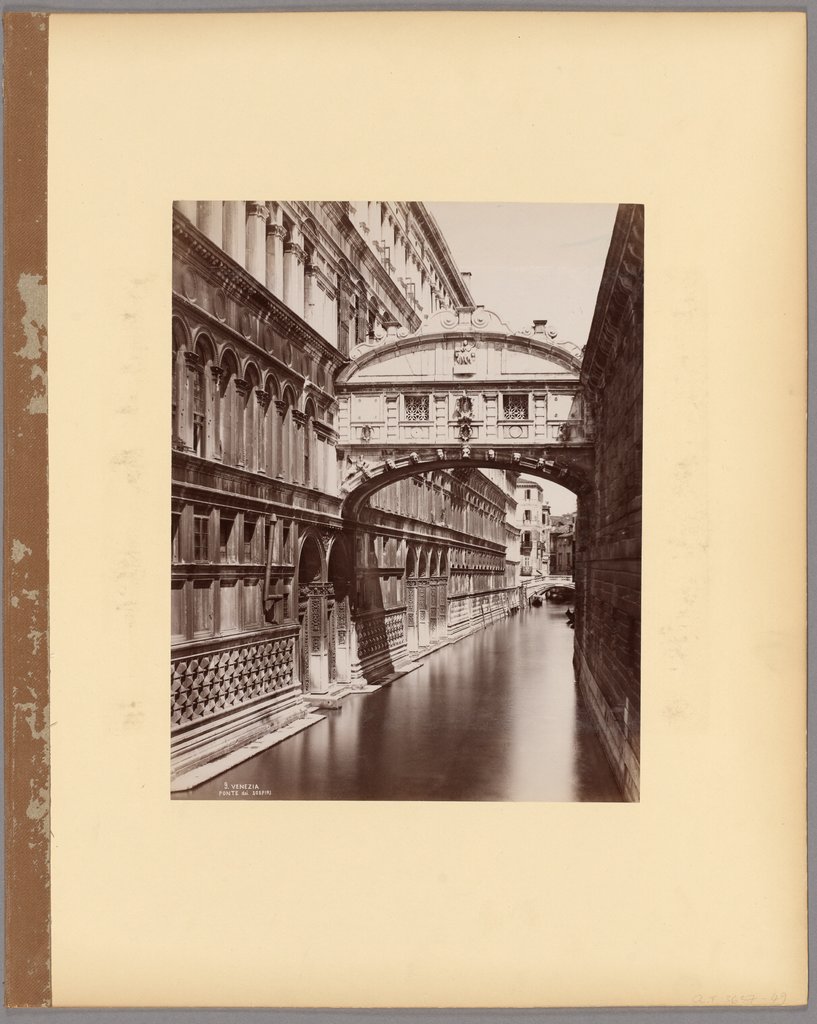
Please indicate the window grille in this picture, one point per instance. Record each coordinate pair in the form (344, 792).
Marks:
(515, 407)
(416, 408)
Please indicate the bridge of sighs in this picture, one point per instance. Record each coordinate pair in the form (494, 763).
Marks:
(463, 390)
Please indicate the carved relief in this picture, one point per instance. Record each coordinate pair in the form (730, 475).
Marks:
(464, 355)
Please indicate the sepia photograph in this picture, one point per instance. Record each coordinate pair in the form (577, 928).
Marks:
(406, 501)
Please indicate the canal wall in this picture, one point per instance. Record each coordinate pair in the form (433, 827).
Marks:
(608, 543)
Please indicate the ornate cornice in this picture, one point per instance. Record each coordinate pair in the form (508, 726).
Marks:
(221, 270)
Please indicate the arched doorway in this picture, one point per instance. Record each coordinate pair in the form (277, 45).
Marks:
(338, 612)
(312, 600)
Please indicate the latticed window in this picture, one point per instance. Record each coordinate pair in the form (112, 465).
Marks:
(416, 407)
(515, 407)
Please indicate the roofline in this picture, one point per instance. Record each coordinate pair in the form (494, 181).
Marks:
(434, 232)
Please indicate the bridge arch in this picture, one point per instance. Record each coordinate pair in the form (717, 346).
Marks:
(572, 470)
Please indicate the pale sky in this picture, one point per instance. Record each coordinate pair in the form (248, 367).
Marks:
(531, 261)
(560, 499)
(538, 261)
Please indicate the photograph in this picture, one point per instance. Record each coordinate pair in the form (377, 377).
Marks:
(406, 500)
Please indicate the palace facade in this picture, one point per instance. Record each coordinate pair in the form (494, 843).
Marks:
(280, 604)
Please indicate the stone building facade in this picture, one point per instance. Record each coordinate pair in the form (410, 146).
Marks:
(563, 544)
(280, 605)
(608, 522)
(533, 521)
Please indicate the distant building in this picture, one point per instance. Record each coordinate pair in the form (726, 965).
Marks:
(563, 544)
(533, 521)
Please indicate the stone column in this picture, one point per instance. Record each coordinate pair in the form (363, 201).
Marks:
(294, 259)
(330, 330)
(262, 399)
(312, 296)
(214, 417)
(331, 484)
(210, 220)
(411, 615)
(275, 259)
(187, 207)
(242, 390)
(422, 612)
(374, 222)
(256, 256)
(235, 229)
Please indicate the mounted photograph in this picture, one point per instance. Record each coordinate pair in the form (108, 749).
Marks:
(406, 501)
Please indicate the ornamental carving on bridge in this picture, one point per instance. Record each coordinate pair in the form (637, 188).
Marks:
(465, 353)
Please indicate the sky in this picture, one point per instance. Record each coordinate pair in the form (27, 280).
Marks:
(529, 261)
(560, 499)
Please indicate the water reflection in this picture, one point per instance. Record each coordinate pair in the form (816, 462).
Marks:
(493, 717)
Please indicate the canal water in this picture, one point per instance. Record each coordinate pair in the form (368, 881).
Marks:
(495, 716)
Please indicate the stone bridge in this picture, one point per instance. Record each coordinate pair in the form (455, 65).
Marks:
(463, 390)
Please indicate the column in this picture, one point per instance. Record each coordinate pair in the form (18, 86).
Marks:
(242, 390)
(422, 612)
(210, 220)
(256, 230)
(235, 229)
(187, 207)
(330, 318)
(399, 254)
(312, 296)
(331, 484)
(294, 258)
(276, 232)
(374, 222)
(214, 413)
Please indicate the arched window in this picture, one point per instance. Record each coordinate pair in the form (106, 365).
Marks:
(251, 416)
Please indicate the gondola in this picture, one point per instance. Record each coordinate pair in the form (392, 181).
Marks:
(536, 600)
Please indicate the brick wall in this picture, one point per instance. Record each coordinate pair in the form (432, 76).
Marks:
(608, 539)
